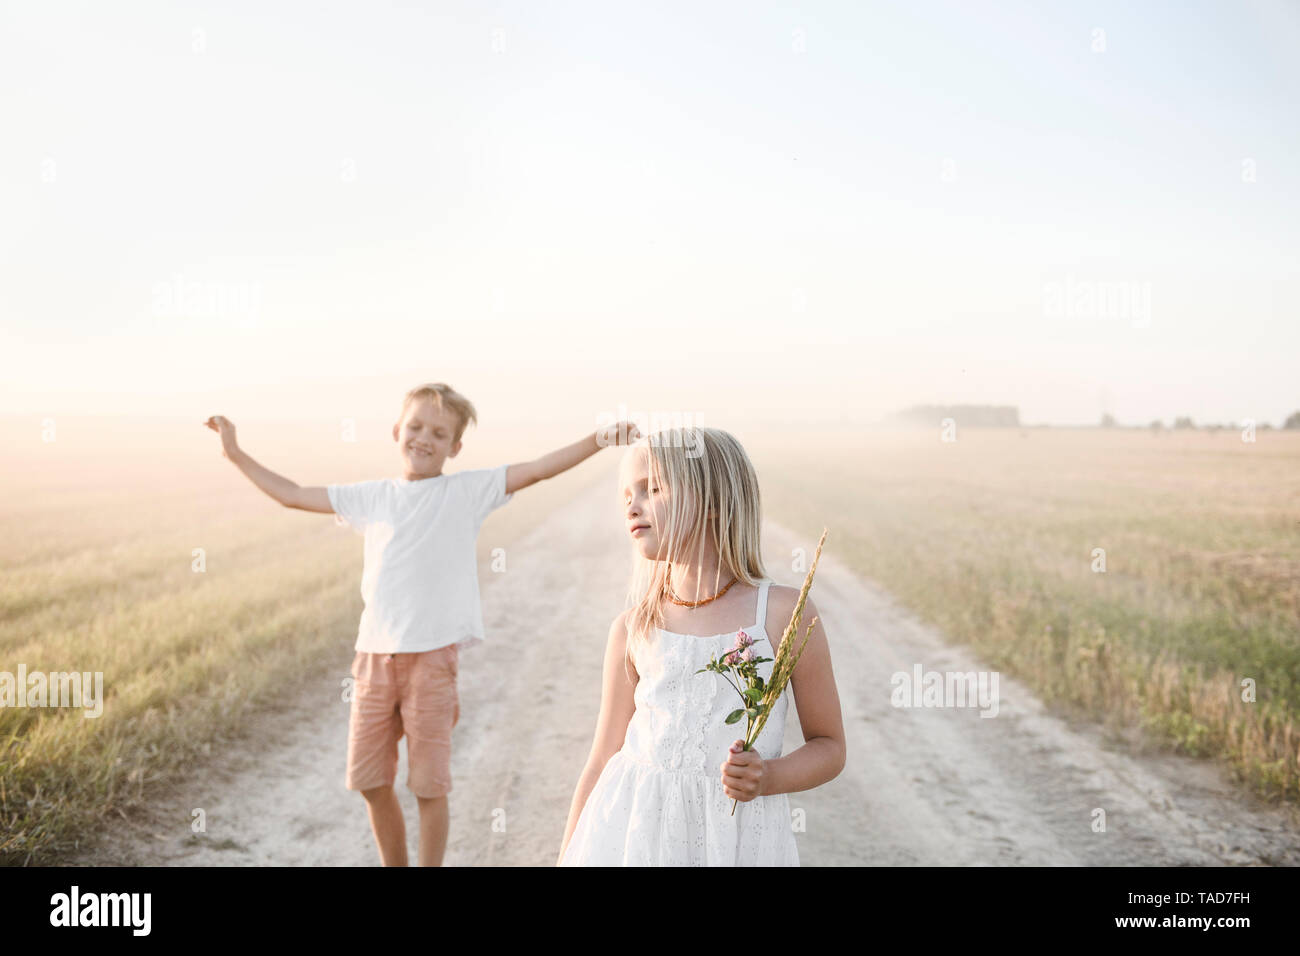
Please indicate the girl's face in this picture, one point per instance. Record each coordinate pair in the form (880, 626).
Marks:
(645, 505)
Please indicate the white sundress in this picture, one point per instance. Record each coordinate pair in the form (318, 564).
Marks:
(659, 800)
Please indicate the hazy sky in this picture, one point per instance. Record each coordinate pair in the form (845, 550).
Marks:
(824, 210)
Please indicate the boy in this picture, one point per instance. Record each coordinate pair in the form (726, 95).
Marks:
(420, 585)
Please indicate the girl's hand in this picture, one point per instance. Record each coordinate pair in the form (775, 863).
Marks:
(742, 773)
(620, 433)
(226, 429)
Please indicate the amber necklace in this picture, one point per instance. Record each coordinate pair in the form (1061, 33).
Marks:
(672, 595)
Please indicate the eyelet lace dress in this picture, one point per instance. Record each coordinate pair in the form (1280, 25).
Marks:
(659, 800)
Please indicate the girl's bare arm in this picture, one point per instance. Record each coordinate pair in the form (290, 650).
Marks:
(822, 756)
(616, 709)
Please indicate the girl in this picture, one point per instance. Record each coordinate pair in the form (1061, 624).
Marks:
(664, 766)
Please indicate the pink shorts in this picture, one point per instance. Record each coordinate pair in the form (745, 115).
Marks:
(394, 694)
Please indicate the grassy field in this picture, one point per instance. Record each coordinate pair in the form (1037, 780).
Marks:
(992, 539)
(97, 531)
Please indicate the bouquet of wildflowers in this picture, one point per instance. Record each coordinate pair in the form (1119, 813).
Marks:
(757, 696)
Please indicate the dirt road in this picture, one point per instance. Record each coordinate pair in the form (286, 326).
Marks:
(922, 786)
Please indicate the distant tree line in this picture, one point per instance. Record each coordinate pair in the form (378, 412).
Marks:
(1184, 421)
(1008, 416)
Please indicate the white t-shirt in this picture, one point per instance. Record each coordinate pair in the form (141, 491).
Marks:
(420, 580)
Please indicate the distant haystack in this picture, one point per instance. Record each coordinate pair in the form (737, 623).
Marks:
(967, 416)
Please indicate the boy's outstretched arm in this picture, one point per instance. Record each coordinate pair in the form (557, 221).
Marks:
(527, 473)
(277, 486)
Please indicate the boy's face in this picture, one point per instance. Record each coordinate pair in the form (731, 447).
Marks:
(424, 437)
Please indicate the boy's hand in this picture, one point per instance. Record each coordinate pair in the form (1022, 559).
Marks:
(226, 429)
(277, 486)
(620, 433)
(526, 473)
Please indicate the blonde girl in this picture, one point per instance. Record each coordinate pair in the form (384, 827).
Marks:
(664, 767)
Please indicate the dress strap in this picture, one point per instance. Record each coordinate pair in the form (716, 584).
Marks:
(761, 616)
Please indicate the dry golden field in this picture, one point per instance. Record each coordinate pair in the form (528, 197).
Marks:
(991, 537)
(97, 536)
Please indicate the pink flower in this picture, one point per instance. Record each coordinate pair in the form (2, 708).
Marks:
(743, 639)
(731, 659)
(748, 655)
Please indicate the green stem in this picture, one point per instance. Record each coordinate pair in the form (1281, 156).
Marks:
(749, 729)
(735, 687)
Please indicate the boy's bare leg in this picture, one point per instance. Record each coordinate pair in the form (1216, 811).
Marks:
(433, 830)
(386, 821)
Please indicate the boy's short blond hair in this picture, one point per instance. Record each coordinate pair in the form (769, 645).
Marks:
(445, 397)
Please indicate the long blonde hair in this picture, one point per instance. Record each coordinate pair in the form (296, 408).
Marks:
(712, 497)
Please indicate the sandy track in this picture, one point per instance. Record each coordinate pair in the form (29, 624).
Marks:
(922, 786)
